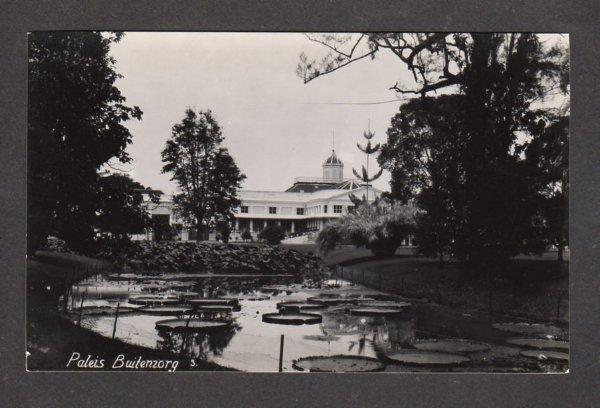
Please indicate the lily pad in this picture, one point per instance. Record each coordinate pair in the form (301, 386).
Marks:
(147, 301)
(216, 308)
(428, 358)
(101, 310)
(292, 318)
(321, 337)
(213, 302)
(190, 325)
(540, 343)
(384, 303)
(185, 295)
(546, 355)
(451, 346)
(529, 328)
(326, 300)
(299, 306)
(375, 311)
(338, 364)
(164, 311)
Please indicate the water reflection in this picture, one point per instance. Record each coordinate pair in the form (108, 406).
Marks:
(383, 333)
(199, 345)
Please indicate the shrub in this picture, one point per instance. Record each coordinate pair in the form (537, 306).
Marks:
(272, 234)
(223, 231)
(151, 257)
(379, 226)
(246, 235)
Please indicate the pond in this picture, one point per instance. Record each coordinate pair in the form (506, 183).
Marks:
(248, 343)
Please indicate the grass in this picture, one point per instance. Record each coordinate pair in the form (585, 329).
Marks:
(532, 289)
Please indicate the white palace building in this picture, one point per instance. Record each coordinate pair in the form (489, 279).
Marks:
(305, 207)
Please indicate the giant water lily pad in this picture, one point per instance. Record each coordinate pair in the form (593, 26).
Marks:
(190, 325)
(292, 318)
(321, 337)
(101, 310)
(383, 303)
(338, 364)
(451, 346)
(540, 343)
(148, 301)
(546, 355)
(213, 302)
(299, 306)
(375, 311)
(250, 297)
(184, 295)
(428, 358)
(529, 328)
(327, 300)
(216, 308)
(165, 311)
(329, 295)
(277, 288)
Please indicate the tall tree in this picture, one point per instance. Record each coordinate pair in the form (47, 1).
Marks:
(501, 76)
(76, 118)
(421, 154)
(548, 154)
(206, 174)
(121, 208)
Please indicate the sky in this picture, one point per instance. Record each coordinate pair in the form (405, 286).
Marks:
(275, 126)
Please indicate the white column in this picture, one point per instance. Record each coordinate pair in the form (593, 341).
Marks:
(237, 224)
(251, 225)
(293, 226)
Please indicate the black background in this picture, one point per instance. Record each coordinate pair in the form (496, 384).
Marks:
(579, 388)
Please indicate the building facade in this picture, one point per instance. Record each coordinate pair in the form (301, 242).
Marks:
(309, 204)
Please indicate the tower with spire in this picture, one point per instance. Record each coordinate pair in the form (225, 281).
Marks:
(333, 169)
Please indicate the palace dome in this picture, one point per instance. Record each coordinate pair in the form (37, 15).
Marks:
(333, 159)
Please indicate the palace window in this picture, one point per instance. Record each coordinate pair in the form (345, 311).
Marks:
(299, 211)
(324, 209)
(244, 209)
(272, 210)
(337, 209)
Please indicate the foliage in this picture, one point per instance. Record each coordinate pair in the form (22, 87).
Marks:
(162, 229)
(120, 206)
(272, 234)
(368, 149)
(76, 125)
(485, 209)
(204, 171)
(246, 235)
(548, 152)
(380, 227)
(199, 257)
(223, 231)
(55, 244)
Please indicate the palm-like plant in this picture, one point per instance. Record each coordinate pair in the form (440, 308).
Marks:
(381, 227)
(368, 149)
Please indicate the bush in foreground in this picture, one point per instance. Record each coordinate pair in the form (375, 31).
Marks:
(272, 234)
(380, 227)
(201, 257)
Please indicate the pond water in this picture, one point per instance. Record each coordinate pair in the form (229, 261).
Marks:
(249, 344)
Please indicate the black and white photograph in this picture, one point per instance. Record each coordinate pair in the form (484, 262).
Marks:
(289, 202)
